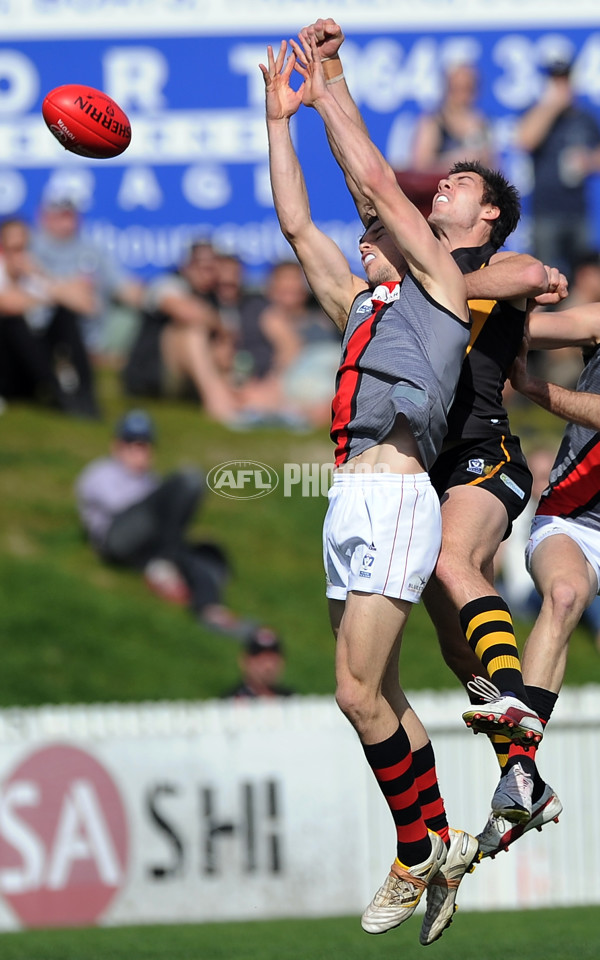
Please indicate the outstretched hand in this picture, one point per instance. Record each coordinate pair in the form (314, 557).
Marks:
(327, 35)
(282, 101)
(309, 66)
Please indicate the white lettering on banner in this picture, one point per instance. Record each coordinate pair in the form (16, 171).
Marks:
(522, 59)
(135, 77)
(256, 243)
(244, 59)
(139, 188)
(180, 136)
(586, 74)
(206, 187)
(64, 837)
(76, 182)
(21, 838)
(82, 834)
(263, 193)
(398, 148)
(19, 82)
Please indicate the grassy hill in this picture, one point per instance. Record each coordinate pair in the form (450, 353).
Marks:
(75, 630)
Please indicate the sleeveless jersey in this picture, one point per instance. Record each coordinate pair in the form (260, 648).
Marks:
(574, 487)
(401, 354)
(496, 335)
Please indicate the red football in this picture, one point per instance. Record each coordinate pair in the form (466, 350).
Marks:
(86, 121)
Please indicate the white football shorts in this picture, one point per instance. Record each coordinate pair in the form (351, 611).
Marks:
(587, 539)
(382, 534)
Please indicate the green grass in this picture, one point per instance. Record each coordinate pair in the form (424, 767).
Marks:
(75, 630)
(559, 934)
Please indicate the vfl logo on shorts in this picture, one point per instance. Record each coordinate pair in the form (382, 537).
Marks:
(367, 563)
(476, 466)
(417, 585)
(512, 486)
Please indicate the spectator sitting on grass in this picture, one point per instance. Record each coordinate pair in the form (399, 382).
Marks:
(136, 519)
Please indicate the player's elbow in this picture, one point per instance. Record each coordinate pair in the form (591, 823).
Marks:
(535, 278)
(295, 230)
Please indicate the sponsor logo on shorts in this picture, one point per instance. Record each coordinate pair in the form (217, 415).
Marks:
(417, 585)
(512, 486)
(476, 466)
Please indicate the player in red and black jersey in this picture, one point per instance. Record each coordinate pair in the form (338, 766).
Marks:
(481, 475)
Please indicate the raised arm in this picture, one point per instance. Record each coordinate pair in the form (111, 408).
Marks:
(329, 37)
(326, 268)
(428, 260)
(534, 126)
(576, 327)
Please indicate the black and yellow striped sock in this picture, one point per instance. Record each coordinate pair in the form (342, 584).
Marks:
(487, 625)
(501, 747)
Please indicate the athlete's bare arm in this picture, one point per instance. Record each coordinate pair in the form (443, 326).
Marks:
(577, 327)
(429, 261)
(329, 37)
(581, 408)
(516, 277)
(326, 268)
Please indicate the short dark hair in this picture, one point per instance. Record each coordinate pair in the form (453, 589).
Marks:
(500, 193)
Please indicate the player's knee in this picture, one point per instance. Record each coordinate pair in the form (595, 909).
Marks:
(568, 598)
(451, 569)
(356, 701)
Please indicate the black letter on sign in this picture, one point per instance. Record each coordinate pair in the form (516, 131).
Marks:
(212, 830)
(172, 838)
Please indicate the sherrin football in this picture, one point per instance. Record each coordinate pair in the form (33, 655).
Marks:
(86, 121)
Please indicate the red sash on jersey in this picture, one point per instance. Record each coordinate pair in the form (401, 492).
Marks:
(349, 374)
(574, 492)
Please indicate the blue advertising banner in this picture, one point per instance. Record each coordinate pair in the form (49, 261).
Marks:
(197, 164)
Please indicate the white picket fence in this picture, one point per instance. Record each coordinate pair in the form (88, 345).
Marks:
(126, 813)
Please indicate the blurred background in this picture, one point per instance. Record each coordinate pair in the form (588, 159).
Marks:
(178, 247)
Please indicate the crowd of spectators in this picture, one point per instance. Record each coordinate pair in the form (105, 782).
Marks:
(249, 357)
(266, 355)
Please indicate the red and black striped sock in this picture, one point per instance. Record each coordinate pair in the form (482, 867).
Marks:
(543, 702)
(487, 625)
(391, 762)
(430, 799)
